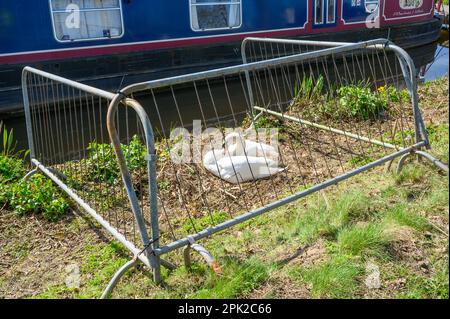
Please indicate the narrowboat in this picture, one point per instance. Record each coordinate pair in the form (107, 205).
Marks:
(112, 43)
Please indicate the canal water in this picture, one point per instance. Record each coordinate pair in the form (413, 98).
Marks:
(437, 68)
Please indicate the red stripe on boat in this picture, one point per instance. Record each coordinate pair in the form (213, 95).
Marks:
(126, 48)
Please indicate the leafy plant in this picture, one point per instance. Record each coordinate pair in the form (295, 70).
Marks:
(135, 154)
(11, 169)
(360, 160)
(8, 145)
(37, 195)
(102, 163)
(390, 93)
(360, 101)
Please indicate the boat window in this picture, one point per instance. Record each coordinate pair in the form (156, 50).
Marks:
(77, 20)
(410, 4)
(331, 11)
(215, 14)
(319, 12)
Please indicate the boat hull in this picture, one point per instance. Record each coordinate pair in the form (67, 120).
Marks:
(114, 71)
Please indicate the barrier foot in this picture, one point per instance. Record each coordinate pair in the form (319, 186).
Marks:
(36, 170)
(204, 253)
(30, 174)
(107, 292)
(425, 155)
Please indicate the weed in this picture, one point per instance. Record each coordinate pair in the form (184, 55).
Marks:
(102, 164)
(8, 145)
(309, 89)
(11, 169)
(37, 195)
(360, 101)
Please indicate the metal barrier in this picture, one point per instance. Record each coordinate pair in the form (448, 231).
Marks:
(69, 142)
(159, 204)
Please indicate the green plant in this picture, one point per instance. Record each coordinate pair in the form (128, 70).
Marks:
(239, 279)
(135, 154)
(5, 194)
(360, 160)
(11, 169)
(102, 163)
(400, 215)
(322, 220)
(391, 94)
(7, 141)
(37, 195)
(360, 101)
(268, 122)
(8, 145)
(309, 89)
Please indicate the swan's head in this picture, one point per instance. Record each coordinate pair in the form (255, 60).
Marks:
(235, 143)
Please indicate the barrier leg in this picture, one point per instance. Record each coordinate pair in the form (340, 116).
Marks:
(425, 155)
(107, 292)
(203, 252)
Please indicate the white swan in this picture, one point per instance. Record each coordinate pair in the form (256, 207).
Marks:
(239, 168)
(211, 159)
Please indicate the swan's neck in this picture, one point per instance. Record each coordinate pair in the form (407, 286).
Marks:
(238, 143)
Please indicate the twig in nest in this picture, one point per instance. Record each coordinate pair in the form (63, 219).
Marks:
(229, 194)
(3, 207)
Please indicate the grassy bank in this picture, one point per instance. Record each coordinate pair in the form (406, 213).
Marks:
(378, 235)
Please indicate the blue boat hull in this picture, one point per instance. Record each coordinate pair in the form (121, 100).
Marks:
(111, 72)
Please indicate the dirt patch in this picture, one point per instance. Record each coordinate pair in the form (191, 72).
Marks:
(405, 247)
(34, 252)
(305, 256)
(280, 287)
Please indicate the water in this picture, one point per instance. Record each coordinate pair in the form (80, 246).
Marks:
(439, 67)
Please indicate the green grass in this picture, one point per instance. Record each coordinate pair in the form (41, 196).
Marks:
(319, 220)
(336, 278)
(402, 215)
(367, 240)
(209, 219)
(240, 279)
(394, 221)
(102, 261)
(357, 226)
